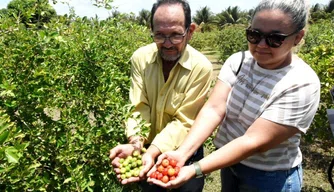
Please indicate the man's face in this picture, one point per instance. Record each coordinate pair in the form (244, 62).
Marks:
(168, 21)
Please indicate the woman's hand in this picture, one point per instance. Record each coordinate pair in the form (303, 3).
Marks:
(185, 174)
(181, 177)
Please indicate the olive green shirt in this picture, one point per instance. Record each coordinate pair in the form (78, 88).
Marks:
(168, 107)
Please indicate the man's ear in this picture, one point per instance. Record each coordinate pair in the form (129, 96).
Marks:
(191, 30)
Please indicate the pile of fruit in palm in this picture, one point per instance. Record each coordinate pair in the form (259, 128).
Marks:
(166, 171)
(132, 164)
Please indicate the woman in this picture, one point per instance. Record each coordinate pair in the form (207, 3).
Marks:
(261, 112)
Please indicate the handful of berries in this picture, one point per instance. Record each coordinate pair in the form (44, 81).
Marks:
(131, 165)
(166, 171)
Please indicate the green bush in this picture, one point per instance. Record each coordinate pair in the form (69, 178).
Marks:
(63, 90)
(318, 52)
(231, 39)
(204, 41)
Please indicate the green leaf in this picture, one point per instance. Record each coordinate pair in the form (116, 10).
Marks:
(12, 155)
(3, 137)
(34, 166)
(67, 180)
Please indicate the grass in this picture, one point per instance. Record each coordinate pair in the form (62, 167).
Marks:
(316, 156)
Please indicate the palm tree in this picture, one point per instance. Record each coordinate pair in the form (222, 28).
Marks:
(204, 15)
(144, 17)
(231, 15)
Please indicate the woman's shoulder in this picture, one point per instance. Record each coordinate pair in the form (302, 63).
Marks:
(303, 68)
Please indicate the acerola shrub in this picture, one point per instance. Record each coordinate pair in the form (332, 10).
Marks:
(63, 91)
(318, 52)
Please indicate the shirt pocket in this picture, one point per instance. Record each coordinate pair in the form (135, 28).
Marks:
(174, 101)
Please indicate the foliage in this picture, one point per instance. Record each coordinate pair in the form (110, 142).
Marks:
(318, 52)
(203, 41)
(203, 16)
(322, 12)
(232, 15)
(63, 94)
(231, 39)
(144, 18)
(330, 6)
(31, 11)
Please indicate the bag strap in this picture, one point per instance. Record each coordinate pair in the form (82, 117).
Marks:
(242, 60)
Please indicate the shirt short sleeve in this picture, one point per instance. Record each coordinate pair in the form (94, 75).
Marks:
(228, 71)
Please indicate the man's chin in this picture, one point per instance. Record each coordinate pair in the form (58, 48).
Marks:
(170, 58)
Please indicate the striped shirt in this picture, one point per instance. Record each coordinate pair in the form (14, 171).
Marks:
(288, 96)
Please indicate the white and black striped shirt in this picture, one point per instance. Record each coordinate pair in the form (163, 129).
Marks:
(288, 96)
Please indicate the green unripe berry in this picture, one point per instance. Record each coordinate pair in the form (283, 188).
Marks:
(135, 153)
(136, 172)
(139, 162)
(128, 174)
(123, 170)
(121, 160)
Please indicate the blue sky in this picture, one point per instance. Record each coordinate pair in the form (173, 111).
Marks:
(86, 8)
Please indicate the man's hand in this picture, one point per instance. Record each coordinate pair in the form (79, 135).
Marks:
(148, 162)
(118, 152)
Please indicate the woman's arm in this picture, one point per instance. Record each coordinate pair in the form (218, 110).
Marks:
(207, 120)
(261, 136)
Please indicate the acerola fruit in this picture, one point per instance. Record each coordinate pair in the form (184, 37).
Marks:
(172, 178)
(153, 175)
(171, 172)
(165, 179)
(159, 176)
(123, 176)
(173, 162)
(135, 153)
(160, 168)
(165, 171)
(165, 162)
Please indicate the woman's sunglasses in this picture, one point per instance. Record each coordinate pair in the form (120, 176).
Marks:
(273, 40)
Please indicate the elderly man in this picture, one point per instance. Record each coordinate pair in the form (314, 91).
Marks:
(169, 84)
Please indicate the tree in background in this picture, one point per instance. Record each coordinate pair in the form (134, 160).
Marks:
(231, 15)
(31, 12)
(322, 12)
(144, 18)
(330, 7)
(204, 18)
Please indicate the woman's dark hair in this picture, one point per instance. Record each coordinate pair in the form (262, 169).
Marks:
(185, 6)
(297, 9)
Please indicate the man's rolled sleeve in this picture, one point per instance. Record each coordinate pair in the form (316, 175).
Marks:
(138, 98)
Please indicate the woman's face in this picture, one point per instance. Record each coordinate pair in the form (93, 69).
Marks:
(274, 21)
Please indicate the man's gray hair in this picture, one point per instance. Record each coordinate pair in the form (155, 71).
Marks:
(297, 9)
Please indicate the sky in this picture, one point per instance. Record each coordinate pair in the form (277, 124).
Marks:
(86, 8)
